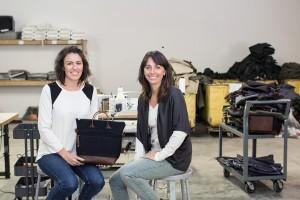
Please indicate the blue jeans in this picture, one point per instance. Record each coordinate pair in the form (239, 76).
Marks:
(136, 176)
(66, 182)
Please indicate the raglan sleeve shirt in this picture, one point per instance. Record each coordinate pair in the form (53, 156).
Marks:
(94, 103)
(45, 121)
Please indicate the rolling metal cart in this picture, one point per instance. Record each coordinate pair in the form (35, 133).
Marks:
(244, 176)
(25, 165)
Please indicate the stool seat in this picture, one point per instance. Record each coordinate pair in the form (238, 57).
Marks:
(185, 175)
(183, 178)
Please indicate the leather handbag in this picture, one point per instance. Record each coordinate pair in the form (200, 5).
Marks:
(99, 141)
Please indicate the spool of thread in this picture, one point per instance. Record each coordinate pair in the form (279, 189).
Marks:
(181, 85)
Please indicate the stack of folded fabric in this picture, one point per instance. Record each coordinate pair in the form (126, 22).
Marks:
(52, 34)
(46, 31)
(41, 31)
(51, 76)
(78, 35)
(28, 32)
(39, 35)
(65, 34)
(260, 115)
(17, 74)
(35, 32)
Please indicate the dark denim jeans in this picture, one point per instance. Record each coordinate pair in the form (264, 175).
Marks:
(66, 182)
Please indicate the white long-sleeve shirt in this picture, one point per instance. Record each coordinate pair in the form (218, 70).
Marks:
(174, 143)
(57, 124)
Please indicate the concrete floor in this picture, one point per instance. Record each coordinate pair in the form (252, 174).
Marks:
(207, 181)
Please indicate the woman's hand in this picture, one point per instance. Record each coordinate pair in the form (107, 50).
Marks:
(103, 116)
(71, 159)
(150, 155)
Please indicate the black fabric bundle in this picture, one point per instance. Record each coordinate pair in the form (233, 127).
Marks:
(259, 166)
(259, 65)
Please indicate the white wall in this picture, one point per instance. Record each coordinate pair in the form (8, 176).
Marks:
(210, 33)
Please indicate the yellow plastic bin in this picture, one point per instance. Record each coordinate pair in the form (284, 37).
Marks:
(214, 101)
(190, 100)
(295, 83)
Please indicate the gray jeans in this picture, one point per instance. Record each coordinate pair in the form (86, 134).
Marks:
(136, 175)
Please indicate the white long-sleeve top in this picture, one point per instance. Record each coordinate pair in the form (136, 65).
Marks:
(174, 143)
(57, 124)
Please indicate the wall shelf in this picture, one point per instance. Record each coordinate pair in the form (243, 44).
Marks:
(81, 43)
(34, 83)
(25, 83)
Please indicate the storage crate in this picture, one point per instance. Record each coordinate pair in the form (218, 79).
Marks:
(23, 168)
(24, 190)
(214, 102)
(190, 100)
(26, 131)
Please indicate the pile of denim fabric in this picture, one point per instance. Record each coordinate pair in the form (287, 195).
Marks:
(259, 166)
(252, 90)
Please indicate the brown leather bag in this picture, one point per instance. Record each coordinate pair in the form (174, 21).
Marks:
(99, 141)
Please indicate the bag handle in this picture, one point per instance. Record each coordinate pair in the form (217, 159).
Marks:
(108, 126)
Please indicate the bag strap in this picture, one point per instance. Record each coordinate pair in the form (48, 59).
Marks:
(108, 126)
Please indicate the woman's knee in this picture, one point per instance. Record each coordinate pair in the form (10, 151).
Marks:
(126, 174)
(97, 183)
(94, 180)
(69, 184)
(115, 179)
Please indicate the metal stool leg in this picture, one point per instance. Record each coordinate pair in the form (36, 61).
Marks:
(183, 189)
(153, 184)
(37, 187)
(172, 190)
(187, 189)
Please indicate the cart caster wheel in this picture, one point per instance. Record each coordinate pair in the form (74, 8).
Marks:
(277, 185)
(249, 187)
(226, 173)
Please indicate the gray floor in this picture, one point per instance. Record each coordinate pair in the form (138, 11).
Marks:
(207, 181)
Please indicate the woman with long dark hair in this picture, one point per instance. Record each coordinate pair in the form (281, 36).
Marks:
(163, 146)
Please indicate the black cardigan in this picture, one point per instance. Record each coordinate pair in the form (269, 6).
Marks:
(172, 116)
